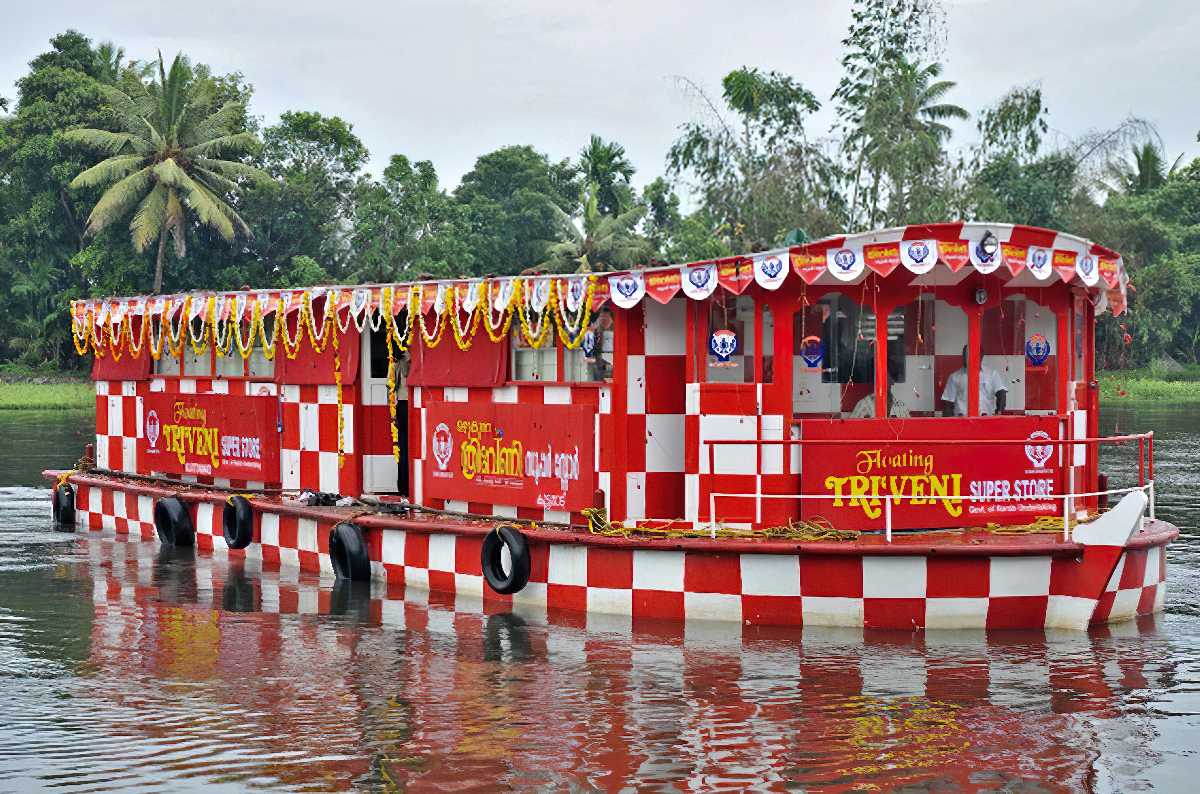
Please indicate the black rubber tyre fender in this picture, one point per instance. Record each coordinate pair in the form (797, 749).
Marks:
(348, 552)
(237, 522)
(505, 535)
(173, 523)
(62, 505)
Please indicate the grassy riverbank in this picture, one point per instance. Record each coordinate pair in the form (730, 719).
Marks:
(1151, 385)
(46, 396)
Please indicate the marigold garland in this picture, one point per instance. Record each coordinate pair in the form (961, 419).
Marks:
(136, 350)
(80, 342)
(498, 331)
(291, 345)
(391, 389)
(115, 344)
(535, 339)
(464, 337)
(337, 378)
(214, 325)
(572, 338)
(431, 340)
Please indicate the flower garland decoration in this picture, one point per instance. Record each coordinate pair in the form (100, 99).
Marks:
(291, 345)
(431, 340)
(245, 346)
(214, 324)
(136, 350)
(464, 337)
(199, 346)
(268, 348)
(499, 330)
(80, 342)
(337, 375)
(535, 338)
(571, 334)
(320, 341)
(391, 378)
(177, 338)
(116, 339)
(158, 343)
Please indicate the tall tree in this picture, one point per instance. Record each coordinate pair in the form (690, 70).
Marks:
(597, 240)
(604, 164)
(167, 161)
(1144, 171)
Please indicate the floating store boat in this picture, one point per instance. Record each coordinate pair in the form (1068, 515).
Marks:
(895, 429)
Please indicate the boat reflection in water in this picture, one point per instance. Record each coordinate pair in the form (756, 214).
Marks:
(215, 672)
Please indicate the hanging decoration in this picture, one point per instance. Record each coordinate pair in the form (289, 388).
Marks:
(1037, 349)
(812, 351)
(723, 345)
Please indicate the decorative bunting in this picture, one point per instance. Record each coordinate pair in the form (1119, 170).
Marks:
(882, 258)
(1088, 269)
(600, 293)
(699, 281)
(663, 284)
(537, 293)
(919, 256)
(735, 274)
(808, 266)
(1038, 261)
(1108, 271)
(845, 263)
(980, 259)
(627, 289)
(1064, 264)
(954, 254)
(770, 270)
(1015, 256)
(575, 292)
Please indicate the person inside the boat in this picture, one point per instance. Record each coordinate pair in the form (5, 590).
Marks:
(993, 391)
(865, 408)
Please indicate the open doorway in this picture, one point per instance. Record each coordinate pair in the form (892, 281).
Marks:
(381, 472)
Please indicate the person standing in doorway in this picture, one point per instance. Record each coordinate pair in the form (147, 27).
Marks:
(993, 391)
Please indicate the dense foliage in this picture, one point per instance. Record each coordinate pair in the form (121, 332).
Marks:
(118, 174)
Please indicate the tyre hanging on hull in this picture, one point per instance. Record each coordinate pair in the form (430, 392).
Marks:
(516, 577)
(348, 552)
(173, 523)
(237, 522)
(62, 505)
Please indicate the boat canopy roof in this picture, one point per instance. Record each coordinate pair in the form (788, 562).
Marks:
(933, 255)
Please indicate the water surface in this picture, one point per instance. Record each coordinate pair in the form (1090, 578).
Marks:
(124, 667)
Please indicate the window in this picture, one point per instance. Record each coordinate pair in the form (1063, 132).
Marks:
(911, 364)
(592, 361)
(529, 363)
(833, 362)
(1080, 341)
(731, 332)
(768, 345)
(1019, 343)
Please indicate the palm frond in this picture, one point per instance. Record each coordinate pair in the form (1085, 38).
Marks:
(218, 124)
(150, 218)
(119, 199)
(237, 143)
(231, 169)
(103, 141)
(108, 170)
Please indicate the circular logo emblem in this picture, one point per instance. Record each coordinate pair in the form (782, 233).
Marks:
(771, 266)
(1039, 453)
(1039, 259)
(152, 429)
(1037, 349)
(983, 256)
(723, 344)
(627, 286)
(1086, 263)
(588, 345)
(845, 259)
(698, 276)
(918, 251)
(442, 445)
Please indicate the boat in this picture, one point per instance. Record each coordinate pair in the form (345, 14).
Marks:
(895, 429)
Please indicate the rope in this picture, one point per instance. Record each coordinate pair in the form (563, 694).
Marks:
(815, 530)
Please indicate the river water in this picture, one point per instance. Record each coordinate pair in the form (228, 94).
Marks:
(123, 667)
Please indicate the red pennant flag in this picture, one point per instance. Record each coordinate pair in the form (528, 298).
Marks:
(599, 293)
(1108, 271)
(954, 254)
(808, 266)
(1014, 256)
(735, 274)
(1064, 264)
(663, 284)
(883, 258)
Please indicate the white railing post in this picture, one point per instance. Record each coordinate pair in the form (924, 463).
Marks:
(1150, 486)
(887, 517)
(1067, 517)
(712, 514)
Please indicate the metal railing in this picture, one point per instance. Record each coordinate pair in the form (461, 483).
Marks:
(1145, 442)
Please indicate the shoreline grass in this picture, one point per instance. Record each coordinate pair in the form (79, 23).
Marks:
(47, 396)
(1150, 385)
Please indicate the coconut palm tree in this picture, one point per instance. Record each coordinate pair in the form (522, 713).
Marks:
(168, 161)
(598, 241)
(605, 164)
(1147, 171)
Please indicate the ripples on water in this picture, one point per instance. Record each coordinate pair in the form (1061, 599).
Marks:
(126, 667)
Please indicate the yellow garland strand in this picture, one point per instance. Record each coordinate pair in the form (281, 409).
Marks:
(464, 337)
(391, 385)
(156, 345)
(318, 342)
(413, 300)
(337, 377)
(245, 347)
(202, 347)
(81, 344)
(291, 345)
(544, 327)
(432, 340)
(261, 329)
(136, 351)
(115, 345)
(499, 331)
(214, 325)
(564, 336)
(177, 340)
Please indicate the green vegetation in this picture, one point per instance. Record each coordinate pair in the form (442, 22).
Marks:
(1150, 384)
(47, 396)
(108, 166)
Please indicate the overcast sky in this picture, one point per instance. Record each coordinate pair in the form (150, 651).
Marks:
(448, 80)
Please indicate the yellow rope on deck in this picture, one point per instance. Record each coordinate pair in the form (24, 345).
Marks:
(818, 529)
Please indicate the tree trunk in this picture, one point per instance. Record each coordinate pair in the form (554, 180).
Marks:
(162, 248)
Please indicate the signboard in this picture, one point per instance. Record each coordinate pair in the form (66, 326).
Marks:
(511, 454)
(213, 435)
(932, 485)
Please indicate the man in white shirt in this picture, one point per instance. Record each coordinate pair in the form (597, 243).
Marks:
(865, 408)
(993, 391)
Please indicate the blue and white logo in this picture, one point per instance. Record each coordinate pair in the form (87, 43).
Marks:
(723, 344)
(627, 286)
(812, 351)
(1037, 349)
(845, 259)
(589, 344)
(771, 266)
(918, 251)
(982, 255)
(699, 276)
(1038, 258)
